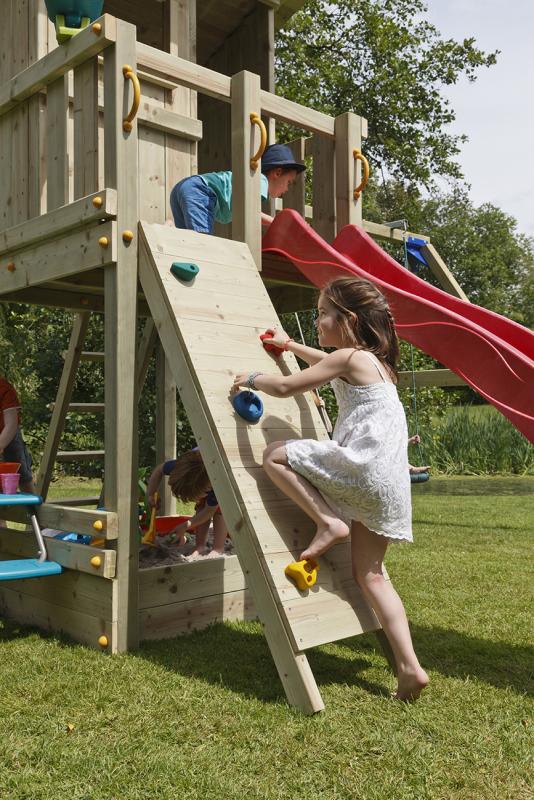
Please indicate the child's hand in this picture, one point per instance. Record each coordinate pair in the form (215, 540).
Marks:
(239, 381)
(153, 500)
(279, 337)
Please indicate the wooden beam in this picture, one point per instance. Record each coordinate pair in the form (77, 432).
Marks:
(58, 62)
(443, 274)
(323, 214)
(165, 423)
(74, 252)
(295, 197)
(162, 119)
(348, 129)
(57, 146)
(430, 377)
(121, 173)
(69, 554)
(66, 519)
(59, 221)
(378, 231)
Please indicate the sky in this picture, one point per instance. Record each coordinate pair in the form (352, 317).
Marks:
(496, 112)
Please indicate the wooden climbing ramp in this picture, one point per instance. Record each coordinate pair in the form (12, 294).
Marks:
(210, 331)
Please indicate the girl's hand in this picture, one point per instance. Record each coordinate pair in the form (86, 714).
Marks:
(279, 336)
(414, 439)
(239, 381)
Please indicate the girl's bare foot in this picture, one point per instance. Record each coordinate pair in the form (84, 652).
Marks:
(215, 554)
(325, 537)
(197, 554)
(410, 685)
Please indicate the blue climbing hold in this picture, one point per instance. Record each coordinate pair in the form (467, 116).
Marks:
(248, 405)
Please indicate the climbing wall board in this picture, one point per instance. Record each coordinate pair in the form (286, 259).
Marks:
(210, 330)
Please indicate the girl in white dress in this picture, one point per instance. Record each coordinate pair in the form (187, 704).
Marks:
(358, 483)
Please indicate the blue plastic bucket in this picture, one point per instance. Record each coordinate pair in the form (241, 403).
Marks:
(74, 10)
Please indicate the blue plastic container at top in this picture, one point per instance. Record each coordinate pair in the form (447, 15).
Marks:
(74, 10)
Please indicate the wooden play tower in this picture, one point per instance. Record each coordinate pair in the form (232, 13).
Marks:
(93, 135)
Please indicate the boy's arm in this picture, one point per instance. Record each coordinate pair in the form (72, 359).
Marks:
(11, 424)
(266, 219)
(153, 483)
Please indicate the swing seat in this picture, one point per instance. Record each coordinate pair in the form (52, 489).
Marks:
(28, 568)
(419, 477)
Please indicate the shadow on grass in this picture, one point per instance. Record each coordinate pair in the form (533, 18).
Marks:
(240, 660)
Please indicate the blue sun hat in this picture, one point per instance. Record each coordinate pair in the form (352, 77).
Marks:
(279, 155)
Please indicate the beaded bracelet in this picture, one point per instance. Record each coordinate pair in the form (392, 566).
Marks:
(251, 380)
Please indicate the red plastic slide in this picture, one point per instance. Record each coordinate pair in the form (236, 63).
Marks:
(492, 354)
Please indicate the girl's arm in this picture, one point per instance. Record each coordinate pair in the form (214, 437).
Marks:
(331, 366)
(266, 219)
(11, 423)
(153, 483)
(205, 514)
(308, 354)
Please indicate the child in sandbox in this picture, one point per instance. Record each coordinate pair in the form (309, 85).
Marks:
(189, 481)
(197, 202)
(12, 445)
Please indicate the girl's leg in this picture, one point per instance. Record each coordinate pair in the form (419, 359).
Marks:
(330, 529)
(368, 550)
(220, 532)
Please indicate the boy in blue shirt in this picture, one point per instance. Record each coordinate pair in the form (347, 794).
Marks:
(199, 201)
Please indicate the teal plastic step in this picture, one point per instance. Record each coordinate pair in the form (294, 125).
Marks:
(20, 499)
(28, 568)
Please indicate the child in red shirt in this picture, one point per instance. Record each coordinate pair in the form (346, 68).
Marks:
(12, 446)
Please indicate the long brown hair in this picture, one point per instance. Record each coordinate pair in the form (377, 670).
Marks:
(189, 479)
(372, 327)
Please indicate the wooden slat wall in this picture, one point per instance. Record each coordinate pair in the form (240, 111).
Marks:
(219, 318)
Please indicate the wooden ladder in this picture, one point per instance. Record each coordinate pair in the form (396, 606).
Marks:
(63, 402)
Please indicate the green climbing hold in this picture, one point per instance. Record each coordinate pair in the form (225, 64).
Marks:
(184, 270)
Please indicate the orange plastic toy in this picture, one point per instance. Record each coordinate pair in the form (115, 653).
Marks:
(304, 573)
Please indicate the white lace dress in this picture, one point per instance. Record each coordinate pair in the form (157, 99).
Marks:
(363, 472)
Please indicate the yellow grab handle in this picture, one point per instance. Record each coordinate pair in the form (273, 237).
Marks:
(358, 156)
(255, 160)
(129, 74)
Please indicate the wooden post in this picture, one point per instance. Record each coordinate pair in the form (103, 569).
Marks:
(348, 133)
(120, 166)
(165, 423)
(246, 200)
(323, 186)
(295, 197)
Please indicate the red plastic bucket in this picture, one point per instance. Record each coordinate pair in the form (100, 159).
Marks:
(9, 466)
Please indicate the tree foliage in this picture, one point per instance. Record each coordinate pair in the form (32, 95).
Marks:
(385, 61)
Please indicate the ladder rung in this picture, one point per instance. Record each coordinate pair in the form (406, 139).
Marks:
(80, 455)
(87, 356)
(83, 408)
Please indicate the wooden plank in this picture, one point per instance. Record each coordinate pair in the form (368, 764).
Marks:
(165, 423)
(70, 300)
(80, 48)
(162, 119)
(378, 231)
(430, 377)
(66, 519)
(175, 584)
(63, 397)
(292, 666)
(59, 221)
(173, 619)
(80, 625)
(154, 63)
(120, 426)
(440, 270)
(295, 197)
(323, 186)
(85, 111)
(283, 110)
(144, 354)
(70, 555)
(246, 199)
(50, 260)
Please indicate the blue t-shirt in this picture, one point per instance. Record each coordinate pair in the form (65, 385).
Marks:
(221, 184)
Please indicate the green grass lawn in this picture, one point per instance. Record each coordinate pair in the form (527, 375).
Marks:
(204, 716)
